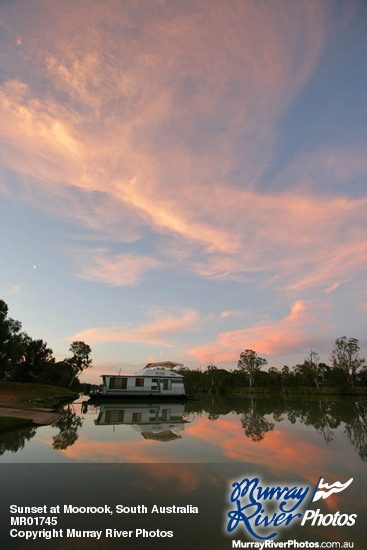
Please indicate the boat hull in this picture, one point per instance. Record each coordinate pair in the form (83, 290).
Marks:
(136, 397)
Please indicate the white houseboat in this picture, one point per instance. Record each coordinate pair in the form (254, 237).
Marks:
(154, 380)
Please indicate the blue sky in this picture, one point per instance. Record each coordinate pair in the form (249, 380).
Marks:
(184, 180)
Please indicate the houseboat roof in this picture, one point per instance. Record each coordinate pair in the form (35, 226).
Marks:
(163, 364)
(162, 369)
(164, 436)
(159, 372)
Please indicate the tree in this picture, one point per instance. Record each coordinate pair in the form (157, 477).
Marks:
(11, 343)
(249, 362)
(37, 361)
(312, 362)
(211, 371)
(25, 360)
(275, 378)
(288, 377)
(345, 356)
(80, 359)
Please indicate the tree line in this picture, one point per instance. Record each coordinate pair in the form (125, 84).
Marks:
(23, 359)
(346, 373)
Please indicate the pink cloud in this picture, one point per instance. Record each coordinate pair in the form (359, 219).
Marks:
(158, 332)
(278, 448)
(284, 234)
(142, 132)
(231, 313)
(282, 337)
(96, 74)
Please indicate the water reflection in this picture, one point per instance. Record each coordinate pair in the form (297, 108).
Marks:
(212, 429)
(254, 423)
(68, 426)
(16, 440)
(158, 421)
(324, 415)
(356, 429)
(278, 439)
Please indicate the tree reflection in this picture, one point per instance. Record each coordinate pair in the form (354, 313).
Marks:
(254, 423)
(15, 441)
(68, 426)
(321, 414)
(325, 415)
(356, 430)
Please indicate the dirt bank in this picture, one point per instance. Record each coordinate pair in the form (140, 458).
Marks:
(40, 404)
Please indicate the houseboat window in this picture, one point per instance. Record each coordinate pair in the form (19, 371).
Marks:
(139, 382)
(166, 414)
(167, 384)
(118, 383)
(115, 416)
(136, 417)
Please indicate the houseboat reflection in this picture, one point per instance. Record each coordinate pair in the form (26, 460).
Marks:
(157, 421)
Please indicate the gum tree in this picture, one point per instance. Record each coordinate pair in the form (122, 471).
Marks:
(312, 363)
(80, 360)
(11, 343)
(345, 356)
(249, 362)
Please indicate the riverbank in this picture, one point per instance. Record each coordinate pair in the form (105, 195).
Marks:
(300, 391)
(24, 404)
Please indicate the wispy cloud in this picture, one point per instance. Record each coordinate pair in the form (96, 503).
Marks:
(165, 121)
(286, 336)
(283, 235)
(158, 332)
(156, 122)
(229, 313)
(117, 270)
(14, 289)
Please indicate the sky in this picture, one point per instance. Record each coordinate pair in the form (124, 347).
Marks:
(183, 180)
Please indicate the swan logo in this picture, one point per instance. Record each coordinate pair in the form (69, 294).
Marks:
(323, 490)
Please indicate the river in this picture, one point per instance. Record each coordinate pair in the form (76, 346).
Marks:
(189, 453)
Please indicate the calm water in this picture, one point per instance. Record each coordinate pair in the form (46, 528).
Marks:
(190, 452)
(293, 435)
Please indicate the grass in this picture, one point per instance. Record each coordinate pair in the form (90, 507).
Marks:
(19, 395)
(7, 424)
